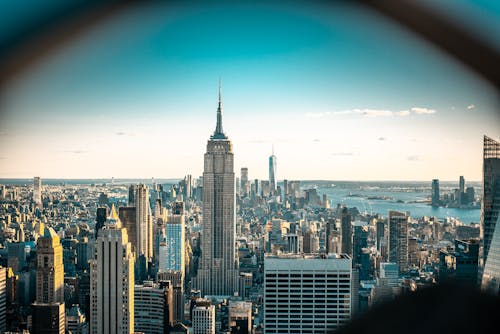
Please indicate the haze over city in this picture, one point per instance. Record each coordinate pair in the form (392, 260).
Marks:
(135, 98)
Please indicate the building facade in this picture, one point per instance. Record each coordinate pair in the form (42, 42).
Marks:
(398, 239)
(112, 281)
(306, 294)
(218, 266)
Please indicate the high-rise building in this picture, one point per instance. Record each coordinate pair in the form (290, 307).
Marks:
(240, 317)
(461, 264)
(398, 239)
(306, 294)
(76, 323)
(176, 280)
(131, 195)
(172, 249)
(272, 173)
(50, 268)
(100, 218)
(48, 308)
(37, 190)
(153, 307)
(218, 265)
(128, 216)
(203, 319)
(346, 230)
(490, 216)
(48, 318)
(112, 280)
(435, 192)
(3, 298)
(461, 190)
(244, 181)
(144, 224)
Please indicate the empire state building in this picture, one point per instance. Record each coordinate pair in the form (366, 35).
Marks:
(218, 266)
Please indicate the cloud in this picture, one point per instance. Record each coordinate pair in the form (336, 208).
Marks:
(414, 158)
(76, 151)
(382, 138)
(3, 133)
(3, 158)
(422, 111)
(343, 154)
(123, 133)
(373, 112)
(316, 140)
(470, 107)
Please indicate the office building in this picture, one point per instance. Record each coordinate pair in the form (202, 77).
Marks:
(461, 264)
(172, 249)
(346, 230)
(76, 323)
(490, 213)
(128, 216)
(435, 193)
(306, 294)
(244, 182)
(218, 265)
(37, 190)
(48, 318)
(176, 280)
(3, 298)
(240, 317)
(112, 280)
(272, 173)
(203, 319)
(100, 218)
(50, 268)
(398, 239)
(153, 307)
(144, 224)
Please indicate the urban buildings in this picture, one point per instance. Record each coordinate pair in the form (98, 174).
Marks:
(306, 294)
(203, 319)
(218, 266)
(112, 280)
(272, 173)
(50, 268)
(244, 182)
(435, 193)
(460, 265)
(76, 322)
(3, 298)
(240, 317)
(398, 239)
(144, 224)
(153, 307)
(37, 190)
(490, 214)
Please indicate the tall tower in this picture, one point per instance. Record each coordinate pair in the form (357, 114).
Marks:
(37, 190)
(435, 192)
(218, 267)
(490, 215)
(272, 172)
(143, 221)
(50, 269)
(112, 280)
(398, 239)
(48, 309)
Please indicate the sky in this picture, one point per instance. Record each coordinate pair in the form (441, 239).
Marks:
(341, 93)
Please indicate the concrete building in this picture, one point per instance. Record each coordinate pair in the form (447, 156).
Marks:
(128, 216)
(435, 193)
(37, 190)
(144, 224)
(218, 265)
(240, 317)
(3, 298)
(306, 294)
(272, 173)
(176, 280)
(112, 280)
(203, 319)
(153, 307)
(50, 268)
(76, 323)
(48, 318)
(398, 239)
(490, 213)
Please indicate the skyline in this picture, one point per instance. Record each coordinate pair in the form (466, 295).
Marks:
(336, 99)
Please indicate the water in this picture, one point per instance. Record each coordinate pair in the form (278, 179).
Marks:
(401, 196)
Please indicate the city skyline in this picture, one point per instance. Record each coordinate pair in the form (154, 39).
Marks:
(301, 80)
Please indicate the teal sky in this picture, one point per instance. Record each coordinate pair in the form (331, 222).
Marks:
(342, 94)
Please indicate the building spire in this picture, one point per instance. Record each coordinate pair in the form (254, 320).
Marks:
(219, 132)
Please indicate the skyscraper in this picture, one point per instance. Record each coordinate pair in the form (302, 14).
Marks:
(435, 192)
(172, 250)
(244, 181)
(306, 294)
(143, 221)
(3, 298)
(112, 280)
(37, 190)
(272, 173)
(218, 266)
(153, 307)
(398, 239)
(50, 268)
(48, 309)
(490, 215)
(346, 230)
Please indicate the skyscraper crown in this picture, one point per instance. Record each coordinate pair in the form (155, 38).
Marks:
(219, 132)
